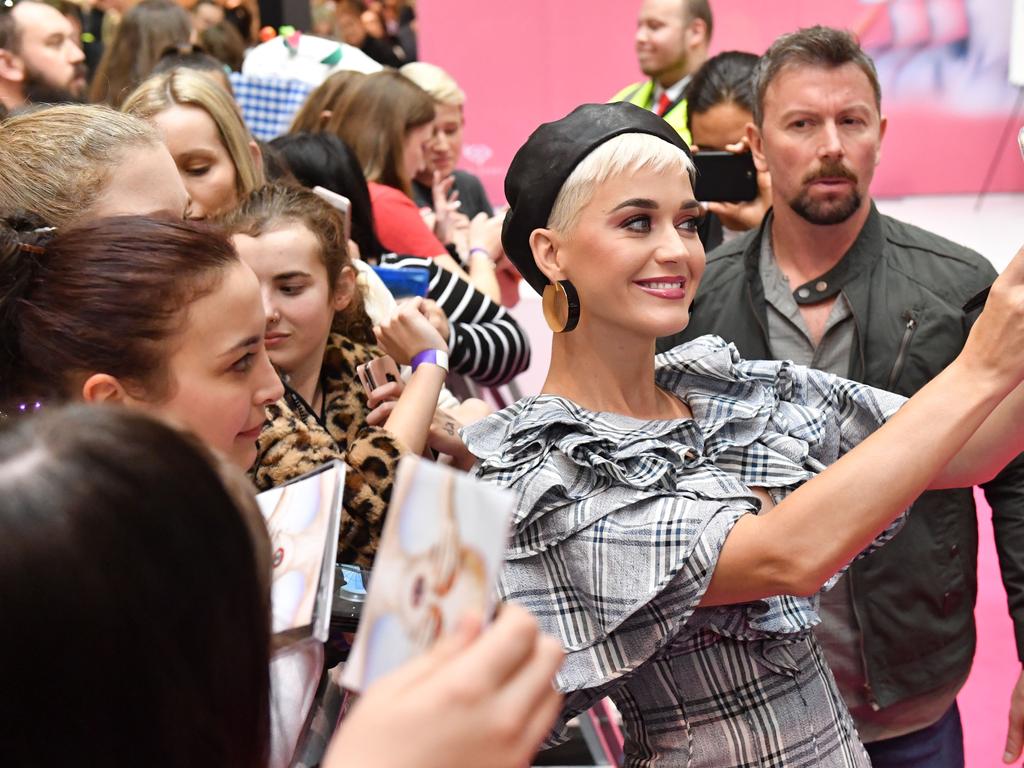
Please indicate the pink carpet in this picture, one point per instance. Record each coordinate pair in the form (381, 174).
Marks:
(985, 700)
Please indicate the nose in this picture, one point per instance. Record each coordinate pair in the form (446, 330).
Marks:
(269, 388)
(831, 143)
(269, 307)
(670, 247)
(75, 55)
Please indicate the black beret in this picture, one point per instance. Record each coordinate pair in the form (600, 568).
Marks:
(546, 160)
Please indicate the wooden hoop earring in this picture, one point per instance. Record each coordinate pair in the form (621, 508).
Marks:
(561, 320)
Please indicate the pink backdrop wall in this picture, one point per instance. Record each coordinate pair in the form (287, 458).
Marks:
(943, 65)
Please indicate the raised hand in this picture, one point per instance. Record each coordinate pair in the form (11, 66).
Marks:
(740, 217)
(408, 332)
(476, 698)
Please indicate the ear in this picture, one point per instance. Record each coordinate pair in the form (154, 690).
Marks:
(325, 116)
(12, 67)
(104, 388)
(257, 154)
(696, 33)
(756, 142)
(344, 289)
(883, 123)
(544, 244)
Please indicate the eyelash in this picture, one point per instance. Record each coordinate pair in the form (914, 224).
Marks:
(292, 290)
(244, 363)
(687, 225)
(198, 171)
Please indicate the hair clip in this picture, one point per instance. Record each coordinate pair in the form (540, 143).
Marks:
(38, 250)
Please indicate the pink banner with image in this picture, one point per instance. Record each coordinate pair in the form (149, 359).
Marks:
(943, 65)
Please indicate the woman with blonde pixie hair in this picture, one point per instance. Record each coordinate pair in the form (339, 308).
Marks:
(678, 516)
(202, 128)
(446, 149)
(75, 162)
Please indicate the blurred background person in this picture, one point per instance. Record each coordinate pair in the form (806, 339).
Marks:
(720, 104)
(445, 150)
(217, 158)
(672, 39)
(41, 59)
(147, 32)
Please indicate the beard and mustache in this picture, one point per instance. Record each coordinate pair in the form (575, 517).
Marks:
(39, 90)
(833, 211)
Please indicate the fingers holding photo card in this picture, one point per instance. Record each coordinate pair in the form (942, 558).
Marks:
(443, 543)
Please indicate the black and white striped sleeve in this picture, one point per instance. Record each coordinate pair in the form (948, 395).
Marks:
(485, 344)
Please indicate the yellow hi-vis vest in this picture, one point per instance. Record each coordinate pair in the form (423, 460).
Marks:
(642, 95)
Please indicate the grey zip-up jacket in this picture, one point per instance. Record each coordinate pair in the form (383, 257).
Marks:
(915, 597)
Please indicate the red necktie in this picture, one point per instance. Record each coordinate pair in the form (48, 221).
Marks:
(663, 104)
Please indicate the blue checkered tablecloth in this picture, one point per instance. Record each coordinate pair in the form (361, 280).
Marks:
(268, 104)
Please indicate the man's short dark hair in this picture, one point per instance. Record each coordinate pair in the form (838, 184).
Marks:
(822, 47)
(699, 9)
(9, 32)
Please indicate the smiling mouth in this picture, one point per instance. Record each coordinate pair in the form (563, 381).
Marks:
(664, 287)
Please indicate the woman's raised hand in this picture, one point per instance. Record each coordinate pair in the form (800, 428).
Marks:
(408, 332)
(740, 217)
(476, 698)
(996, 342)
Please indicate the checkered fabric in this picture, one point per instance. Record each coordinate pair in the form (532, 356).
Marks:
(618, 529)
(268, 103)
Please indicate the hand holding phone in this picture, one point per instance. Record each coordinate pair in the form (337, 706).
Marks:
(341, 203)
(727, 177)
(378, 372)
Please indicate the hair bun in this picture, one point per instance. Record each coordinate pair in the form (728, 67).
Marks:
(23, 239)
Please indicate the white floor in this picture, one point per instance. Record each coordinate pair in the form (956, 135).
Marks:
(995, 228)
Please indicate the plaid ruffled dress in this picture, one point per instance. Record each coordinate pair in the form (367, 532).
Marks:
(616, 535)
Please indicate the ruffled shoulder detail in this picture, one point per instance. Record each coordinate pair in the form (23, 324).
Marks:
(620, 521)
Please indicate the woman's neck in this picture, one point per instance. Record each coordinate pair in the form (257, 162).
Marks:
(305, 380)
(607, 370)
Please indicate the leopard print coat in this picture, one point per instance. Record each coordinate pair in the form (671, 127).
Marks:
(293, 443)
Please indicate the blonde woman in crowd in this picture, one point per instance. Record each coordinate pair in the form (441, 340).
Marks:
(217, 158)
(440, 185)
(446, 149)
(76, 162)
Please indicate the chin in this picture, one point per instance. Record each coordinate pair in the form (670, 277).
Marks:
(242, 456)
(670, 326)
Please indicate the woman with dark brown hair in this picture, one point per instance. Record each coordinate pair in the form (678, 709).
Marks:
(388, 122)
(157, 315)
(317, 334)
(316, 111)
(147, 32)
(134, 586)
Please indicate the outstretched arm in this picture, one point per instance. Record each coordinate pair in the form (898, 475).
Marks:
(796, 546)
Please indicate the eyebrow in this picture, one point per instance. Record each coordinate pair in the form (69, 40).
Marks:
(290, 275)
(650, 205)
(242, 345)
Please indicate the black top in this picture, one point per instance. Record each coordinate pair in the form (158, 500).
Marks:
(471, 194)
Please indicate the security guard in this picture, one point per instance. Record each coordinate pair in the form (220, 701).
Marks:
(672, 38)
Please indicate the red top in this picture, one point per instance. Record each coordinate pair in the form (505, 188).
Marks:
(400, 227)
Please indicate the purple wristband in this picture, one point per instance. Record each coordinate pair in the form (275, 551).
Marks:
(436, 356)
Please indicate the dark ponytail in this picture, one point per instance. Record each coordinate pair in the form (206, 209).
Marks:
(23, 239)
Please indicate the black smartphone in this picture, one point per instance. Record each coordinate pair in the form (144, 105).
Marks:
(725, 177)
